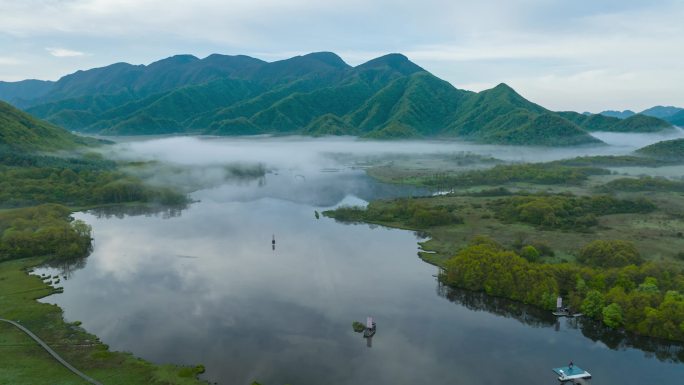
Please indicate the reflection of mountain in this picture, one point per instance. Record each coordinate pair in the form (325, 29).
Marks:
(595, 331)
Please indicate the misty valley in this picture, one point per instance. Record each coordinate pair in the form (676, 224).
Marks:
(244, 281)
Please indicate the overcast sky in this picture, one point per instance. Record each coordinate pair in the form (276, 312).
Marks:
(584, 55)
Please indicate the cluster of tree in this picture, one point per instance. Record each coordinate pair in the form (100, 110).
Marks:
(645, 183)
(486, 266)
(26, 186)
(45, 230)
(537, 173)
(613, 161)
(89, 161)
(408, 211)
(564, 211)
(644, 298)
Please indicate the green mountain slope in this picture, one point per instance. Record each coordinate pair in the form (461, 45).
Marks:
(668, 149)
(677, 119)
(662, 112)
(314, 94)
(20, 131)
(641, 123)
(599, 122)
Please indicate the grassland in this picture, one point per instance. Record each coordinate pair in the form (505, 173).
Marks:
(527, 231)
(22, 361)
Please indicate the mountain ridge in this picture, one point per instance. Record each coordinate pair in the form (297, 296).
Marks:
(314, 94)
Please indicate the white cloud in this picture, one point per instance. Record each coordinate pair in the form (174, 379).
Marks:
(527, 43)
(63, 52)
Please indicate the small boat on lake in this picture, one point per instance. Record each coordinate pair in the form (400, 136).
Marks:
(572, 373)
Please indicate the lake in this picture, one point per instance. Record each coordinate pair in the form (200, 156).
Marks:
(203, 284)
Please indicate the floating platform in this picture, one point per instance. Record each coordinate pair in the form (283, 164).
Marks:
(573, 373)
(369, 331)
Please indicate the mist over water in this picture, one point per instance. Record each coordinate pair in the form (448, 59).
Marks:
(313, 154)
(204, 285)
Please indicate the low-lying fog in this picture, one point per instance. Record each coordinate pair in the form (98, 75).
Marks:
(314, 153)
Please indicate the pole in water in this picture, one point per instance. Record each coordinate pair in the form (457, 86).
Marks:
(273, 242)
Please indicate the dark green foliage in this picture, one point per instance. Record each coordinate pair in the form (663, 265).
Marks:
(537, 173)
(358, 326)
(613, 161)
(621, 297)
(641, 123)
(612, 315)
(645, 183)
(485, 267)
(564, 211)
(634, 123)
(544, 130)
(20, 131)
(593, 304)
(77, 186)
(409, 211)
(45, 230)
(317, 94)
(530, 253)
(668, 149)
(613, 253)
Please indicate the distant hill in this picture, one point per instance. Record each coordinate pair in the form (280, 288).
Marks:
(668, 149)
(389, 97)
(670, 114)
(598, 122)
(677, 119)
(618, 114)
(21, 132)
(662, 112)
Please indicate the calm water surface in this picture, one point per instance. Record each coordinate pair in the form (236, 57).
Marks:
(203, 285)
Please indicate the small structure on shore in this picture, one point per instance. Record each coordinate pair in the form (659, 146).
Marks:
(564, 311)
(572, 373)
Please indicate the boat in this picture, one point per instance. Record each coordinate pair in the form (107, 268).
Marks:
(571, 373)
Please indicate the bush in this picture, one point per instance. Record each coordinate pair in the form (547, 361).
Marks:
(530, 253)
(612, 315)
(614, 253)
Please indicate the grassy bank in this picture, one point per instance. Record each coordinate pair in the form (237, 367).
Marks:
(610, 244)
(24, 362)
(38, 228)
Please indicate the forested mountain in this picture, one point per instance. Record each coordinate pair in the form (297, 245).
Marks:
(670, 114)
(314, 94)
(667, 149)
(20, 131)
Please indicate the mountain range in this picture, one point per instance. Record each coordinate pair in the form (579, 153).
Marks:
(314, 94)
(673, 115)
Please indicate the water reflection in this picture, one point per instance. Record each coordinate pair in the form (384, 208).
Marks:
(614, 339)
(66, 267)
(207, 287)
(132, 210)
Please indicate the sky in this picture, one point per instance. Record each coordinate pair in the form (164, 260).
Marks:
(565, 55)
